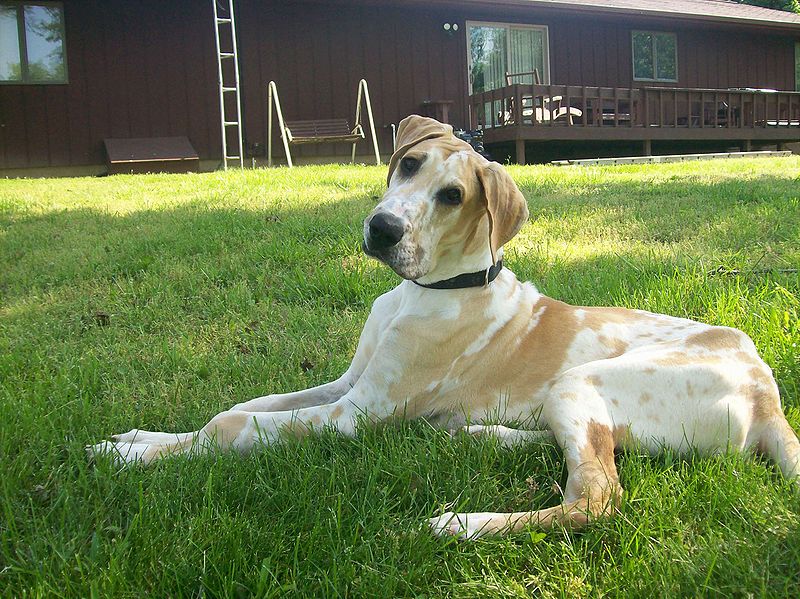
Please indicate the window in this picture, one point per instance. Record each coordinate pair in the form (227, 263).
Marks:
(497, 48)
(655, 56)
(32, 43)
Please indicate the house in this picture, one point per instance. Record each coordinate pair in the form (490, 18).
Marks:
(599, 76)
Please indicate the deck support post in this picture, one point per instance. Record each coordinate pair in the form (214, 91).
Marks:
(520, 151)
(647, 147)
(747, 146)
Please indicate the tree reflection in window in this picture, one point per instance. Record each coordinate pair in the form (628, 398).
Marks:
(655, 56)
(32, 48)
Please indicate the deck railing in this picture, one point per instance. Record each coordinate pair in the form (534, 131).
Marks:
(583, 106)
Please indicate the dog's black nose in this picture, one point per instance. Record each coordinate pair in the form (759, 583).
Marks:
(385, 230)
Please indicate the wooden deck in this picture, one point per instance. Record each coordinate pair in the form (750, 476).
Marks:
(523, 112)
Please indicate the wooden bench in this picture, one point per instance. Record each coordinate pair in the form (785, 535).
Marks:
(322, 131)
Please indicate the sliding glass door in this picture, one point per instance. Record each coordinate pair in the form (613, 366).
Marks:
(502, 52)
(497, 48)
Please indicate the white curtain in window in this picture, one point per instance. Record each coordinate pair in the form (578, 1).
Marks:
(527, 53)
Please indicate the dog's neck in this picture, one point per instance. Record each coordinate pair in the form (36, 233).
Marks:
(466, 266)
(479, 278)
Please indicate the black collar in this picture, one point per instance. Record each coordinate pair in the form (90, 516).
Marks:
(468, 279)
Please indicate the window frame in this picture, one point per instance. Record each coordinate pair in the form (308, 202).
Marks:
(655, 56)
(23, 42)
(545, 46)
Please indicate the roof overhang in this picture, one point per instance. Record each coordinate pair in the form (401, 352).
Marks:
(681, 10)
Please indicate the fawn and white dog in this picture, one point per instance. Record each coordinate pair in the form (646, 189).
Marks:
(462, 340)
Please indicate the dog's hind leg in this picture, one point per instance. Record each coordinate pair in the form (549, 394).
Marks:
(139, 436)
(593, 491)
(508, 437)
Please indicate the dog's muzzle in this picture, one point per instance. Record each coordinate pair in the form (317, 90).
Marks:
(385, 230)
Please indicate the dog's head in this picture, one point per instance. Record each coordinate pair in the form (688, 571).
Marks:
(447, 210)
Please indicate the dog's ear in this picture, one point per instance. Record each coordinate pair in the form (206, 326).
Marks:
(411, 131)
(505, 205)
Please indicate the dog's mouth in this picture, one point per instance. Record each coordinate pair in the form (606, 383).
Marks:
(399, 258)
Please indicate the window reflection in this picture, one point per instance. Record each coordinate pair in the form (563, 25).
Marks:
(32, 48)
(10, 65)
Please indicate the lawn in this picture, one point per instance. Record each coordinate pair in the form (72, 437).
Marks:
(157, 301)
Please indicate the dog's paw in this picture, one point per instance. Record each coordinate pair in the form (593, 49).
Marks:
(120, 453)
(462, 526)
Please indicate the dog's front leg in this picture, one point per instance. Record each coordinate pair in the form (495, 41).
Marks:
(241, 431)
(315, 396)
(382, 312)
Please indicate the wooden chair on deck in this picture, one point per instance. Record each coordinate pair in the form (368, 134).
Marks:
(319, 131)
(542, 108)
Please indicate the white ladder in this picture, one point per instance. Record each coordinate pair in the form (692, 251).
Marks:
(224, 18)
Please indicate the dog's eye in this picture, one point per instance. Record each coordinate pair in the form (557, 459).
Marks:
(450, 196)
(408, 166)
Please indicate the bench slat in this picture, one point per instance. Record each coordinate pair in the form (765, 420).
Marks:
(321, 131)
(326, 139)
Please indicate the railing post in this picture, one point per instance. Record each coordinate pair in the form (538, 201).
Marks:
(702, 116)
(568, 105)
(766, 109)
(586, 121)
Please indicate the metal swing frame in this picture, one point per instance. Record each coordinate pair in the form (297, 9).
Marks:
(320, 130)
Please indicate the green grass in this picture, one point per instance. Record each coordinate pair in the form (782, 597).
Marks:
(158, 301)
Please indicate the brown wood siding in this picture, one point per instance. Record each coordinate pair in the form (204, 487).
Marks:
(317, 52)
(147, 68)
(136, 69)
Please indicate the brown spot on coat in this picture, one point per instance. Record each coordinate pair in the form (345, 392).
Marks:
(595, 477)
(618, 347)
(225, 427)
(748, 358)
(596, 318)
(594, 380)
(717, 338)
(683, 359)
(645, 398)
(763, 395)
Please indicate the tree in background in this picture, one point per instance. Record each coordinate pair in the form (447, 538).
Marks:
(787, 5)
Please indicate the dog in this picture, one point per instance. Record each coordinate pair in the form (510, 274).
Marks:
(461, 340)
